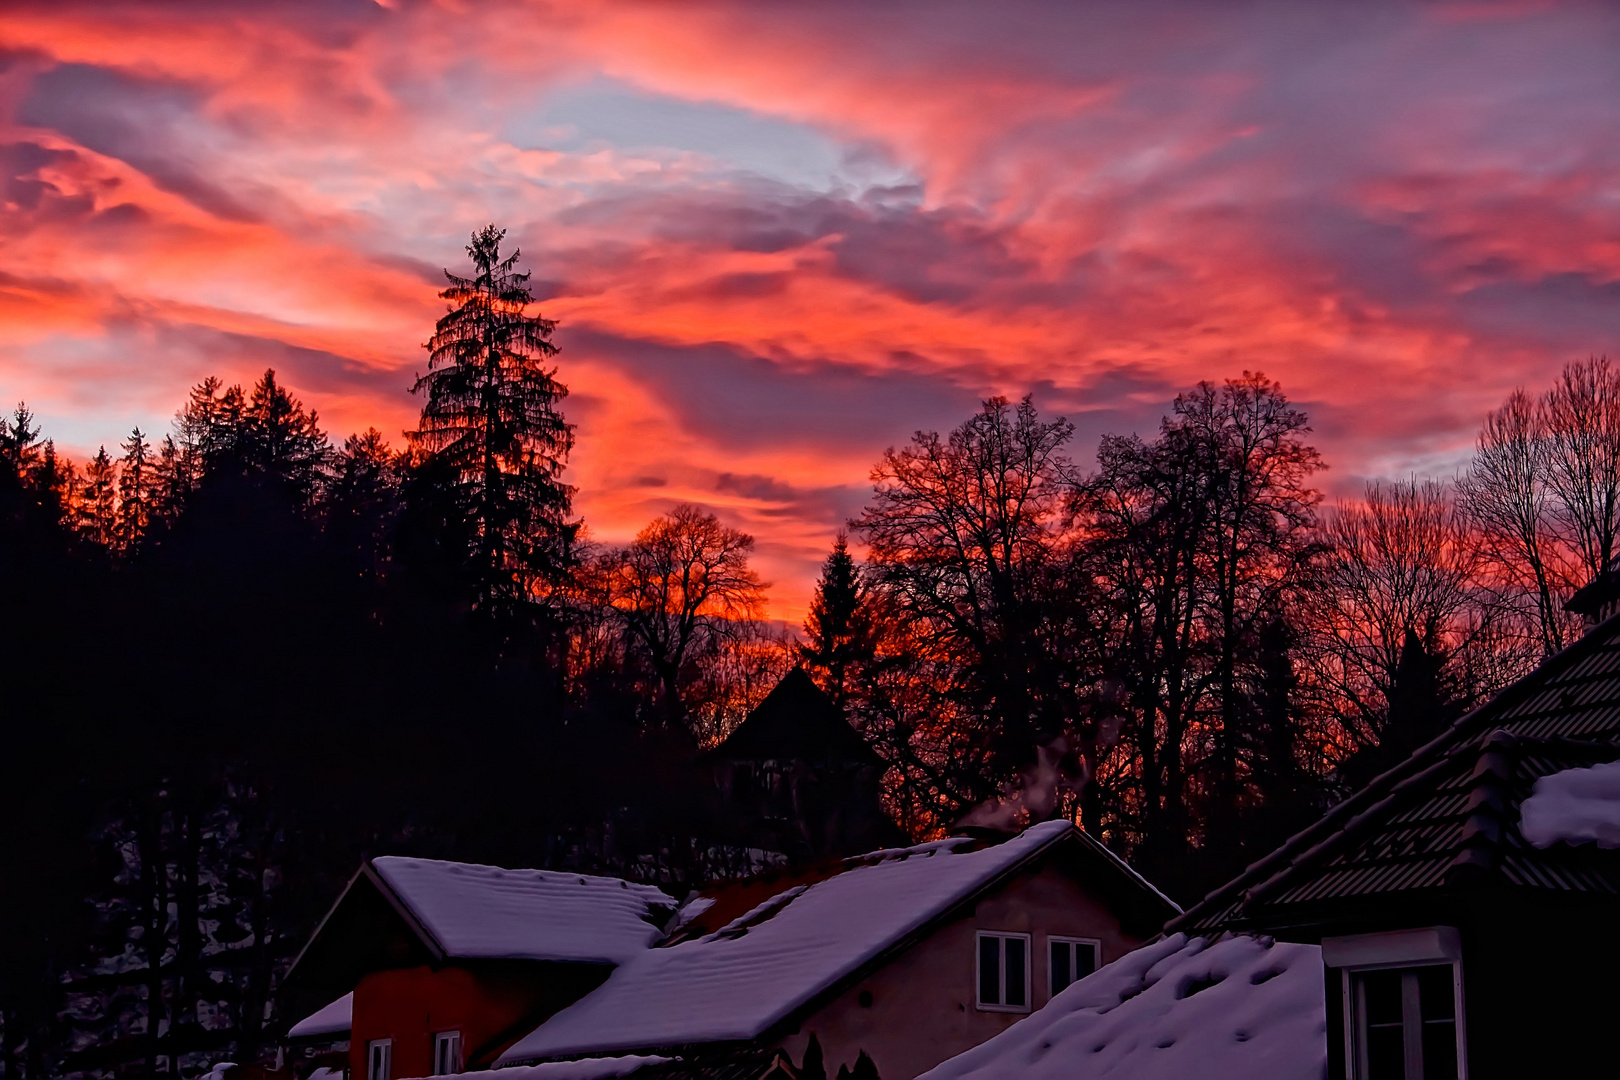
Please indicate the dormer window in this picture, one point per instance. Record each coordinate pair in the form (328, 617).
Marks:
(1402, 997)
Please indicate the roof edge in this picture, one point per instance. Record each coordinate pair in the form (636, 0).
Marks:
(1267, 870)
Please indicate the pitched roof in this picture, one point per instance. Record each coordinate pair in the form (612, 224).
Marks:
(474, 911)
(1449, 815)
(797, 721)
(799, 938)
(1178, 1009)
(400, 911)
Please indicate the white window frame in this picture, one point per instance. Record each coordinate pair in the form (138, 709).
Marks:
(1001, 976)
(380, 1059)
(441, 1041)
(1055, 939)
(1435, 946)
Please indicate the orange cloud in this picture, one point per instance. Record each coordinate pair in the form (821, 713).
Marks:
(780, 239)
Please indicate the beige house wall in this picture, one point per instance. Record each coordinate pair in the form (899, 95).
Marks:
(923, 1007)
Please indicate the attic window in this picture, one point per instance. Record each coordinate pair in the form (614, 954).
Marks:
(1068, 961)
(1002, 972)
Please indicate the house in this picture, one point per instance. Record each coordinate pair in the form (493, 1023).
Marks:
(442, 965)
(909, 954)
(801, 779)
(1464, 901)
(1180, 1009)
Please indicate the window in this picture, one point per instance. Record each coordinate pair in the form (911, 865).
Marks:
(446, 1053)
(1406, 1025)
(379, 1059)
(1002, 967)
(1068, 961)
(1403, 997)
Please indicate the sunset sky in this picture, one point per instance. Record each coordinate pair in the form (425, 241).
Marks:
(780, 237)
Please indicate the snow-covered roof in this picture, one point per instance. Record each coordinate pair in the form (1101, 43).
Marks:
(1178, 1009)
(598, 1068)
(1575, 806)
(332, 1019)
(757, 968)
(485, 912)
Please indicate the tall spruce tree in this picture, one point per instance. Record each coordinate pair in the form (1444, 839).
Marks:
(838, 631)
(98, 500)
(492, 433)
(137, 490)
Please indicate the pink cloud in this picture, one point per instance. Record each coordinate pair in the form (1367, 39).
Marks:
(1402, 212)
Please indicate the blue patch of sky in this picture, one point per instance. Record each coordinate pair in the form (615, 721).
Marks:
(604, 112)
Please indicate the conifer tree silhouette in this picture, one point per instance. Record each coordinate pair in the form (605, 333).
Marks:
(838, 630)
(98, 506)
(491, 430)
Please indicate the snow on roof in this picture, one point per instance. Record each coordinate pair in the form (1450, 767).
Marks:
(737, 981)
(597, 1068)
(486, 912)
(1575, 806)
(1178, 1009)
(332, 1019)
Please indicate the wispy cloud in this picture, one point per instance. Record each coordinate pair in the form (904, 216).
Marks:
(780, 239)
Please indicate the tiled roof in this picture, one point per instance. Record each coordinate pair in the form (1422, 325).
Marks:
(1450, 813)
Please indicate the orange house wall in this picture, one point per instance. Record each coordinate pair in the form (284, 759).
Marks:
(409, 1005)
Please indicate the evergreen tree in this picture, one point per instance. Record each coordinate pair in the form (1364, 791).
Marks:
(491, 429)
(98, 500)
(137, 487)
(281, 443)
(813, 1067)
(19, 447)
(839, 628)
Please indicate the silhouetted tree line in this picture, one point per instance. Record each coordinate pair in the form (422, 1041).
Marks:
(1259, 655)
(239, 656)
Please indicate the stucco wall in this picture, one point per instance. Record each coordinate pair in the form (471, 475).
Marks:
(923, 1007)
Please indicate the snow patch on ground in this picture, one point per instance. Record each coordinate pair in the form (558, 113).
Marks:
(332, 1019)
(486, 912)
(1575, 806)
(1179, 1009)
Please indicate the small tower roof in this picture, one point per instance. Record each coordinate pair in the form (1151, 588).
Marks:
(797, 721)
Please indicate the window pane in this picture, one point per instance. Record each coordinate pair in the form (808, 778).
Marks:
(1015, 971)
(1386, 1053)
(1062, 952)
(1383, 996)
(1085, 960)
(989, 970)
(1439, 1050)
(1434, 990)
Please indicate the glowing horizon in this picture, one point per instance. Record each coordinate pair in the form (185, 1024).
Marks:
(779, 241)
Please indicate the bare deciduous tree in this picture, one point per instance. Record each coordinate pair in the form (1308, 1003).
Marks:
(683, 588)
(1403, 566)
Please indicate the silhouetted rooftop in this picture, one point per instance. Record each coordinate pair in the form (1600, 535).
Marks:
(797, 721)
